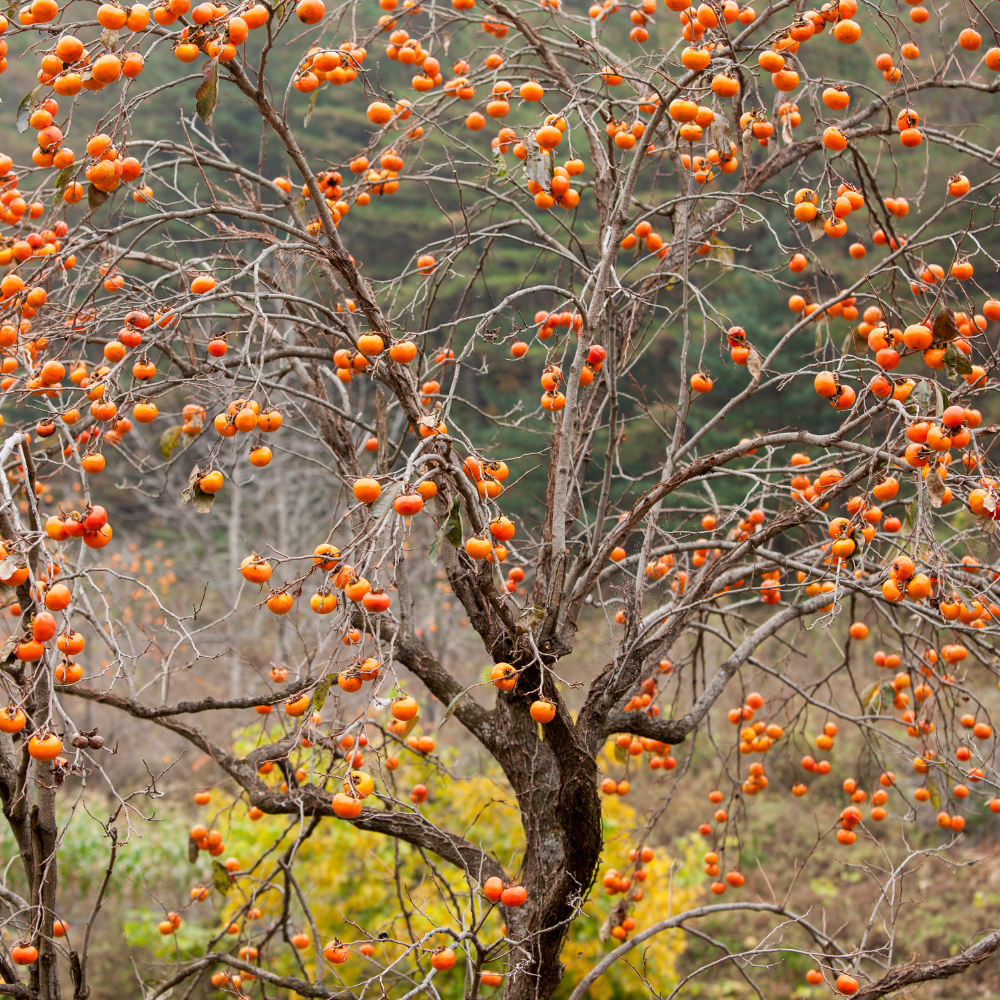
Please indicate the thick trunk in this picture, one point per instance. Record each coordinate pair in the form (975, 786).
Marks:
(555, 780)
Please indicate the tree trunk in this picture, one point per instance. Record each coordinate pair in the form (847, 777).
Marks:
(555, 780)
(45, 972)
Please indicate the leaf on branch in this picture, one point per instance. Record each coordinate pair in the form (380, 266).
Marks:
(7, 649)
(309, 108)
(402, 733)
(109, 39)
(747, 143)
(539, 169)
(988, 525)
(718, 132)
(451, 528)
(322, 690)
(453, 704)
(723, 253)
(935, 488)
(24, 109)
(619, 754)
(193, 851)
(95, 197)
(170, 439)
(499, 164)
(755, 364)
(956, 362)
(939, 403)
(945, 327)
(868, 694)
(220, 876)
(194, 494)
(208, 92)
(384, 503)
(62, 181)
(530, 618)
(816, 229)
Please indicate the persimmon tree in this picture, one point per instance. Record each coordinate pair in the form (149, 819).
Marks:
(177, 313)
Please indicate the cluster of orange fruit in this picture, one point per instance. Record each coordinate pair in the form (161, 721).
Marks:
(616, 883)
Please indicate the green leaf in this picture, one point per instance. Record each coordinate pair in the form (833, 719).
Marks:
(935, 797)
(220, 876)
(170, 439)
(309, 108)
(208, 92)
(62, 181)
(24, 109)
(451, 528)
(95, 197)
(620, 755)
(322, 690)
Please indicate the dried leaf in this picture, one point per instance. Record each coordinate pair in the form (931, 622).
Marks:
(718, 133)
(935, 488)
(220, 876)
(956, 362)
(110, 38)
(499, 164)
(451, 528)
(322, 690)
(62, 181)
(530, 618)
(816, 229)
(309, 108)
(384, 503)
(24, 109)
(9, 565)
(755, 364)
(945, 328)
(747, 143)
(208, 92)
(407, 729)
(170, 439)
(96, 197)
(193, 851)
(198, 498)
(453, 704)
(723, 253)
(7, 649)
